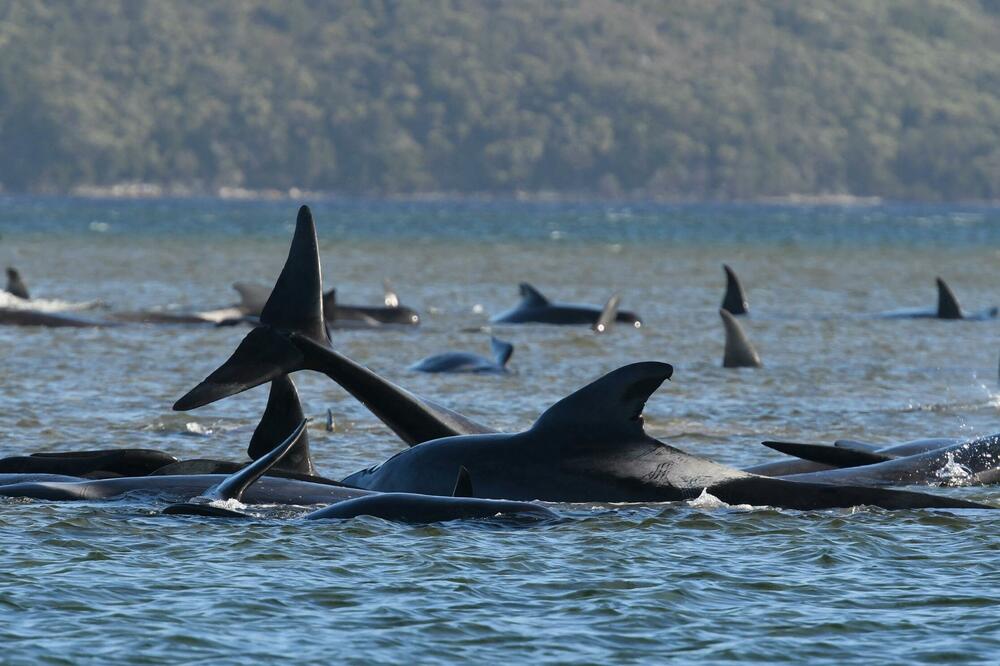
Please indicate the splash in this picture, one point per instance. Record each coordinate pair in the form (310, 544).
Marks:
(12, 302)
(953, 473)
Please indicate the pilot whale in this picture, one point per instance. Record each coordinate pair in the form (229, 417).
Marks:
(843, 453)
(338, 315)
(590, 446)
(947, 308)
(469, 362)
(405, 507)
(536, 309)
(15, 285)
(963, 463)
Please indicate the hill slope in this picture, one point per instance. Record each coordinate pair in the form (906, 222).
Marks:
(692, 98)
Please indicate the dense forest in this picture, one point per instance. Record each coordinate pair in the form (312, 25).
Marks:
(706, 99)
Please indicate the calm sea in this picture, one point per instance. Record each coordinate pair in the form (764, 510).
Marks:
(101, 582)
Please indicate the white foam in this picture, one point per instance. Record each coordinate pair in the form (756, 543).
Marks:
(12, 302)
(196, 428)
(707, 500)
(953, 473)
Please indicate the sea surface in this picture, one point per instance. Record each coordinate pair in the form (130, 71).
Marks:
(114, 582)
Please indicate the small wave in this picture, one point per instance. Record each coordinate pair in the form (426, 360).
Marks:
(707, 500)
(12, 302)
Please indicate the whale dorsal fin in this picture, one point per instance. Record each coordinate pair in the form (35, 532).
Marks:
(330, 305)
(296, 302)
(390, 298)
(948, 307)
(502, 351)
(463, 484)
(735, 300)
(608, 315)
(828, 455)
(15, 285)
(283, 412)
(252, 297)
(740, 353)
(233, 487)
(611, 406)
(531, 296)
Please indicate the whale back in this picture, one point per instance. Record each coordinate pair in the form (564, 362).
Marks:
(948, 307)
(735, 300)
(740, 352)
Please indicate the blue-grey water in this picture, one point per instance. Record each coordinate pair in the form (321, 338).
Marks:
(101, 582)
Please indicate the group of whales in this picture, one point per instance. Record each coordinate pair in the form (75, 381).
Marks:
(589, 447)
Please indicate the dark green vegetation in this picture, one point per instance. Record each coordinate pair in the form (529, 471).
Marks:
(691, 98)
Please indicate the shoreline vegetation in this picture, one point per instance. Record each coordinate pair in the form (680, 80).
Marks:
(691, 100)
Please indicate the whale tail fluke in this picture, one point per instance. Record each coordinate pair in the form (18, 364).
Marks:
(294, 306)
(608, 316)
(283, 412)
(735, 300)
(740, 352)
(828, 455)
(502, 351)
(463, 484)
(948, 307)
(15, 285)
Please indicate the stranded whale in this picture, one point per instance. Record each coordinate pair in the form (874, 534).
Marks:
(535, 308)
(469, 362)
(590, 446)
(947, 308)
(734, 301)
(740, 352)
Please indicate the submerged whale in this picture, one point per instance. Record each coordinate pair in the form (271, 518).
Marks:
(739, 352)
(590, 446)
(469, 362)
(338, 315)
(734, 301)
(405, 507)
(947, 308)
(921, 462)
(536, 309)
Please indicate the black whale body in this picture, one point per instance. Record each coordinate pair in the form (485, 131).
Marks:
(535, 308)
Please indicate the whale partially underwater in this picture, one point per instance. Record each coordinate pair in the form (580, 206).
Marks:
(940, 461)
(406, 507)
(337, 315)
(947, 308)
(588, 447)
(17, 308)
(467, 362)
(534, 308)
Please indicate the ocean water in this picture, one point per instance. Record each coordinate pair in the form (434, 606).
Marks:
(102, 582)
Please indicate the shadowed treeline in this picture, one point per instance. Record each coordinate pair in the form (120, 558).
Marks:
(695, 98)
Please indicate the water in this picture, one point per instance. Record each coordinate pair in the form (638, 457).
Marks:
(100, 582)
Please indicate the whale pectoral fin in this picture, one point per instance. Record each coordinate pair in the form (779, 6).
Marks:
(233, 487)
(531, 296)
(867, 447)
(502, 351)
(282, 414)
(463, 484)
(263, 355)
(828, 455)
(948, 307)
(296, 302)
(390, 298)
(608, 315)
(611, 405)
(735, 300)
(739, 352)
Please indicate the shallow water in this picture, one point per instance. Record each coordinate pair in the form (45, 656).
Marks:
(99, 582)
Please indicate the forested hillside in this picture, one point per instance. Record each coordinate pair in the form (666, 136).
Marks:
(689, 98)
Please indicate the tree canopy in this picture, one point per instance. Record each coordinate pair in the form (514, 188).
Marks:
(689, 98)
